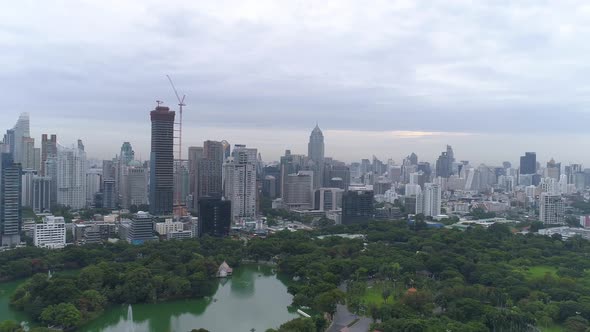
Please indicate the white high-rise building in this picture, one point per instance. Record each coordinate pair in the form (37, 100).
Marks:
(428, 201)
(51, 233)
(239, 182)
(21, 131)
(551, 209)
(71, 177)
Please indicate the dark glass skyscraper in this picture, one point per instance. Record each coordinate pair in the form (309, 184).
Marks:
(528, 163)
(214, 216)
(10, 200)
(162, 162)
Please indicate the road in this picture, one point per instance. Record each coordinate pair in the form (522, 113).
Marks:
(343, 317)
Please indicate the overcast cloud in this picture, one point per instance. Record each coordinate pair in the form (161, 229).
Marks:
(493, 78)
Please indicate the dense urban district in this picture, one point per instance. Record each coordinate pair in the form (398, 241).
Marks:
(409, 246)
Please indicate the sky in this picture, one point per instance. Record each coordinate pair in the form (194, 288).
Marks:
(384, 78)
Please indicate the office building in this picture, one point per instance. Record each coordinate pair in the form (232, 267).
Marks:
(551, 209)
(298, 191)
(127, 153)
(163, 228)
(428, 202)
(135, 183)
(315, 153)
(141, 228)
(109, 197)
(48, 150)
(357, 206)
(10, 200)
(210, 169)
(214, 217)
(51, 233)
(528, 163)
(71, 177)
(195, 154)
(42, 194)
(27, 176)
(553, 170)
(162, 162)
(328, 199)
(20, 131)
(93, 184)
(239, 182)
(444, 163)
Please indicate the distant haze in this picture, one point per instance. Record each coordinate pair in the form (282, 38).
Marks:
(493, 79)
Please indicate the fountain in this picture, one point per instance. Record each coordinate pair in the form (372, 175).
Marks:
(49, 275)
(130, 327)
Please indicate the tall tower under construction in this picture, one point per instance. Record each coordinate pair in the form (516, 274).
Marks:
(162, 162)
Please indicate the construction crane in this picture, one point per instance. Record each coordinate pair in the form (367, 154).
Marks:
(178, 199)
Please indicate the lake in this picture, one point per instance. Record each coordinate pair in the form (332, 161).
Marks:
(253, 298)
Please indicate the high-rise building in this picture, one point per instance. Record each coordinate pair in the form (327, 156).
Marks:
(71, 177)
(42, 193)
(328, 199)
(136, 185)
(48, 150)
(141, 228)
(239, 182)
(31, 156)
(210, 169)
(444, 163)
(93, 184)
(528, 163)
(298, 191)
(428, 202)
(27, 187)
(214, 216)
(127, 153)
(109, 199)
(51, 173)
(357, 206)
(21, 130)
(195, 153)
(551, 209)
(553, 170)
(9, 142)
(10, 200)
(162, 162)
(315, 152)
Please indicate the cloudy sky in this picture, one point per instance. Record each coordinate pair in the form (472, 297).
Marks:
(492, 78)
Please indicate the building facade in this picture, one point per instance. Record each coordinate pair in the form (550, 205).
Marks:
(51, 233)
(162, 162)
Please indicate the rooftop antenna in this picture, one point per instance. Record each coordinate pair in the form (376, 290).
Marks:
(159, 102)
(178, 200)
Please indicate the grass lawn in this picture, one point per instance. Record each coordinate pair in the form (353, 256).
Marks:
(539, 271)
(373, 294)
(552, 328)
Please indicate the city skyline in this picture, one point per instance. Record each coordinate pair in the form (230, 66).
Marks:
(430, 70)
(424, 145)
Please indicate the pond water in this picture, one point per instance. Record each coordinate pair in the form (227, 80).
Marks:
(253, 298)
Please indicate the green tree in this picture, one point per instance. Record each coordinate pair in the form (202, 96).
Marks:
(576, 324)
(63, 314)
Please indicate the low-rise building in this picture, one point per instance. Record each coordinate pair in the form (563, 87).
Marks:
(51, 233)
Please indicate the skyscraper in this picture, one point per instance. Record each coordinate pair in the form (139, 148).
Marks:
(428, 201)
(357, 206)
(551, 209)
(528, 163)
(195, 154)
(162, 162)
(210, 169)
(71, 177)
(42, 193)
(93, 184)
(214, 216)
(298, 191)
(127, 153)
(21, 130)
(10, 200)
(239, 182)
(444, 163)
(136, 185)
(48, 149)
(315, 152)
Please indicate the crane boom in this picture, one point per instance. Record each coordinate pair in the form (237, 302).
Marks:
(180, 101)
